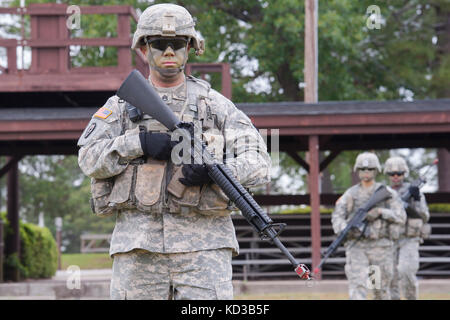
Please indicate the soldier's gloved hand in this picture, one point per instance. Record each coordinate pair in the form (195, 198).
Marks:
(415, 193)
(156, 145)
(373, 214)
(195, 175)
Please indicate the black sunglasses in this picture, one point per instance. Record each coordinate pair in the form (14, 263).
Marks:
(396, 173)
(163, 43)
(367, 169)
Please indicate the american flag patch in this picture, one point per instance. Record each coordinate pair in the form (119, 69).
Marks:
(103, 113)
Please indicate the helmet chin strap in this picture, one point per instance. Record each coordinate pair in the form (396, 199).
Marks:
(166, 72)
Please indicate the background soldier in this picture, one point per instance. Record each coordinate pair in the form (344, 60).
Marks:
(174, 237)
(407, 247)
(369, 250)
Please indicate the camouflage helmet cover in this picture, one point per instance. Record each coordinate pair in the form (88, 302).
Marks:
(167, 20)
(367, 160)
(396, 164)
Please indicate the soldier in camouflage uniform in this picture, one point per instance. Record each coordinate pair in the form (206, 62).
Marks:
(174, 237)
(406, 253)
(369, 252)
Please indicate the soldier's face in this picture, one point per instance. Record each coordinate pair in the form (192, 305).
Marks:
(168, 53)
(367, 174)
(396, 178)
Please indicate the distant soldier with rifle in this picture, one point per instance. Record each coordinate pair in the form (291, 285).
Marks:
(413, 232)
(369, 240)
(174, 237)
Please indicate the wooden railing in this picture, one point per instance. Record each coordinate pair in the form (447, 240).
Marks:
(50, 44)
(49, 31)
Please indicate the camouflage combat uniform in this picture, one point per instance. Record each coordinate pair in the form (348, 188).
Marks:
(407, 248)
(167, 239)
(369, 258)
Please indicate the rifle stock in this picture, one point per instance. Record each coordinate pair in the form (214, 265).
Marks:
(137, 91)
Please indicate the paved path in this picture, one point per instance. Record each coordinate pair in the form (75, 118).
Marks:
(94, 285)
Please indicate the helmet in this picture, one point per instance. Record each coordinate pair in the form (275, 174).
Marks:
(394, 164)
(367, 160)
(167, 20)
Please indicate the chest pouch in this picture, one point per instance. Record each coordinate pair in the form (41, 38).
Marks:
(425, 231)
(414, 228)
(100, 192)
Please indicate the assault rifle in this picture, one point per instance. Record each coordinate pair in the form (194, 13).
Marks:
(357, 221)
(137, 91)
(419, 183)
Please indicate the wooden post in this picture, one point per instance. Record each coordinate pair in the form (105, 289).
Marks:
(12, 245)
(444, 170)
(311, 51)
(313, 183)
(226, 80)
(311, 96)
(1, 250)
(123, 32)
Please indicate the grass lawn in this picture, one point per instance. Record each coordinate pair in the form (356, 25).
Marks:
(86, 260)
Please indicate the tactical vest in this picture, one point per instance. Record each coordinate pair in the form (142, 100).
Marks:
(151, 185)
(378, 228)
(414, 227)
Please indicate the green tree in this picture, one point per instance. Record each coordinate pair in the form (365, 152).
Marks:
(56, 187)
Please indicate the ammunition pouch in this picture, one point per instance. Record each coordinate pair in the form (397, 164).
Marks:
(380, 229)
(425, 231)
(375, 229)
(100, 191)
(206, 200)
(140, 186)
(413, 228)
(395, 230)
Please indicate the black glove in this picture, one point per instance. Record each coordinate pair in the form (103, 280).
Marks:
(414, 192)
(195, 175)
(157, 145)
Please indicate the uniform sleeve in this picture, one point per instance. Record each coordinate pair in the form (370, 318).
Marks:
(395, 213)
(340, 212)
(104, 149)
(245, 150)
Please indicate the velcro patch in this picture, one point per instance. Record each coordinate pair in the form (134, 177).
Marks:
(103, 113)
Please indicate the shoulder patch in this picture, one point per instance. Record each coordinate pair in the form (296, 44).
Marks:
(103, 113)
(90, 130)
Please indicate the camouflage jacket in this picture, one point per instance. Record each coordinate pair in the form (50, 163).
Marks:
(417, 214)
(154, 211)
(386, 226)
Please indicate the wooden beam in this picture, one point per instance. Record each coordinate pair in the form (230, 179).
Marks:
(329, 159)
(298, 159)
(328, 199)
(9, 165)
